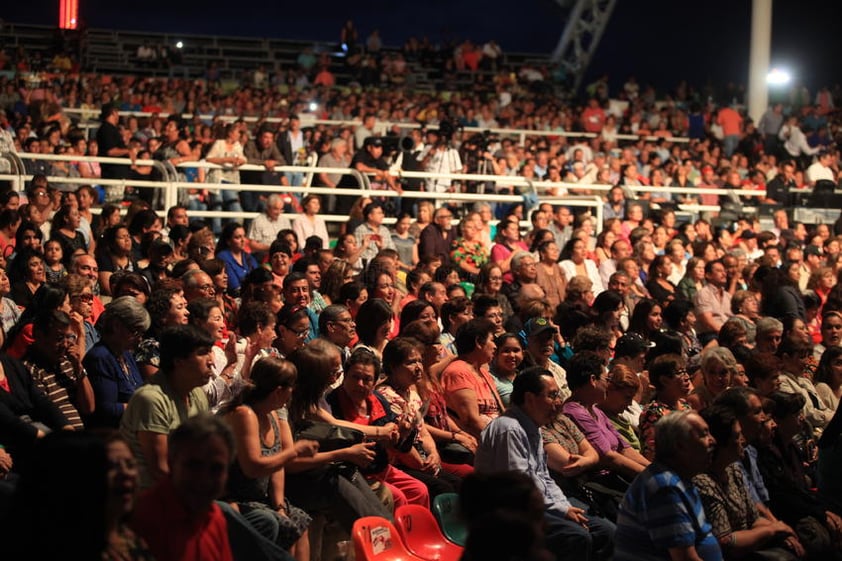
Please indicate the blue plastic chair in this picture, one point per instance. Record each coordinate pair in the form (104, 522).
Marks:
(446, 510)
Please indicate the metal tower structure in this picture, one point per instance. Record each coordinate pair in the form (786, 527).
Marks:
(586, 23)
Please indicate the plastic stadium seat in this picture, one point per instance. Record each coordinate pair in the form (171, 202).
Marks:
(446, 509)
(422, 536)
(376, 539)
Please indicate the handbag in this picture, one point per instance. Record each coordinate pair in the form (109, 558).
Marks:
(330, 437)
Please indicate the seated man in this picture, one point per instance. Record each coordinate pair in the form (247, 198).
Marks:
(661, 516)
(55, 365)
(178, 514)
(512, 442)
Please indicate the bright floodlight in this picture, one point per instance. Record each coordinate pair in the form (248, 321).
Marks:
(778, 77)
(179, 45)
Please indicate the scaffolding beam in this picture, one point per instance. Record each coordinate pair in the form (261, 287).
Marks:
(585, 25)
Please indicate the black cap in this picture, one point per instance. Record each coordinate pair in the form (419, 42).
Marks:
(631, 344)
(373, 141)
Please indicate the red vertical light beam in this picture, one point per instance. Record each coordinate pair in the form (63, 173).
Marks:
(68, 14)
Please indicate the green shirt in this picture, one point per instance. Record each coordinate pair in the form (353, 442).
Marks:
(154, 407)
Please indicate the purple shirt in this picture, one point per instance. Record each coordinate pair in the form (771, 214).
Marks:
(597, 428)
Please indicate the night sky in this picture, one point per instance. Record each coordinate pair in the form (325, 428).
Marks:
(660, 41)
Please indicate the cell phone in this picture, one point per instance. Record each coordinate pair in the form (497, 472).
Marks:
(375, 237)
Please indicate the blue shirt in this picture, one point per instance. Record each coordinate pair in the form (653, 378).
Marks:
(756, 487)
(661, 511)
(512, 442)
(113, 386)
(236, 272)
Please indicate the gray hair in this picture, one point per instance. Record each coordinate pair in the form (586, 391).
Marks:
(337, 142)
(198, 429)
(768, 324)
(128, 311)
(274, 198)
(188, 279)
(718, 355)
(518, 257)
(670, 430)
(480, 206)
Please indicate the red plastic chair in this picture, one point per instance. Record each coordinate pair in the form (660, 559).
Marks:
(422, 536)
(376, 539)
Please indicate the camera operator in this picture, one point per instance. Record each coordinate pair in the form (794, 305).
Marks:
(441, 157)
(410, 158)
(369, 160)
(478, 158)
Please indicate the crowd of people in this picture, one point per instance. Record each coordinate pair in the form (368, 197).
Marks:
(669, 389)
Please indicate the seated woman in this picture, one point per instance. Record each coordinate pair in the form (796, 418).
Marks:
(81, 302)
(734, 518)
(506, 364)
(166, 307)
(469, 388)
(830, 462)
(791, 498)
(717, 368)
(619, 402)
(256, 481)
(585, 377)
(456, 447)
(356, 401)
(403, 368)
(315, 483)
(375, 320)
(111, 367)
(468, 252)
(829, 378)
(226, 381)
(668, 373)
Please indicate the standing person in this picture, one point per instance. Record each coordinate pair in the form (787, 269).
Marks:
(662, 516)
(110, 144)
(513, 442)
(336, 157)
(228, 153)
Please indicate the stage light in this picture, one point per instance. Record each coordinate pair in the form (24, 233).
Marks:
(778, 77)
(179, 45)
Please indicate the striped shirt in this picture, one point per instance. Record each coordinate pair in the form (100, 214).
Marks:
(661, 511)
(58, 384)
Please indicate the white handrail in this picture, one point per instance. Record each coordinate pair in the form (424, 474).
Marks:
(386, 125)
(170, 185)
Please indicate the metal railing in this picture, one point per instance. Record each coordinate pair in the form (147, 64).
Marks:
(382, 127)
(171, 186)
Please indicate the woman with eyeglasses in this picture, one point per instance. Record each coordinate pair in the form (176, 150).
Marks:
(292, 328)
(357, 401)
(167, 307)
(619, 402)
(226, 382)
(265, 448)
(81, 301)
(668, 373)
(110, 364)
(490, 283)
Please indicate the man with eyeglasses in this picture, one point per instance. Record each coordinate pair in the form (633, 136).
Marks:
(513, 442)
(337, 326)
(54, 360)
(197, 284)
(86, 266)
